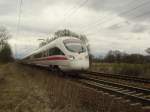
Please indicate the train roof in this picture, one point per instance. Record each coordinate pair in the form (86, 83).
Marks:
(57, 40)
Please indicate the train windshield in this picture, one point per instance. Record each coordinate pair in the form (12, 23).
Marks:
(75, 46)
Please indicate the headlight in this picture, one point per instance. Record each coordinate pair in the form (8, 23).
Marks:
(71, 57)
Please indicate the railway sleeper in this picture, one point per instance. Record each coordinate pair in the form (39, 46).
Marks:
(132, 92)
(146, 109)
(139, 94)
(125, 91)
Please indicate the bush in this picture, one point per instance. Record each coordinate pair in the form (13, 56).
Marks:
(139, 70)
(129, 69)
(6, 53)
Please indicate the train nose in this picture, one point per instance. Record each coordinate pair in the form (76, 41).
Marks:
(80, 65)
(84, 66)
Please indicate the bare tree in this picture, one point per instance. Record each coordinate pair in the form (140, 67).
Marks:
(66, 32)
(148, 50)
(6, 53)
(43, 43)
(4, 36)
(5, 49)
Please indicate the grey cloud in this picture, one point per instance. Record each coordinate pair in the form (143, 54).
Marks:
(12, 6)
(119, 25)
(8, 7)
(114, 27)
(139, 28)
(35, 20)
(107, 4)
(130, 9)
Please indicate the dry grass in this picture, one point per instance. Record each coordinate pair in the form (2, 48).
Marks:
(139, 70)
(26, 89)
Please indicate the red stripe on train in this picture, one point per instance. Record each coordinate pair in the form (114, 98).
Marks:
(52, 58)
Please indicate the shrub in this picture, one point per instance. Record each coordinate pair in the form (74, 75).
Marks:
(6, 53)
(131, 69)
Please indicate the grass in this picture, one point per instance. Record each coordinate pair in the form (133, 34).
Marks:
(139, 70)
(28, 89)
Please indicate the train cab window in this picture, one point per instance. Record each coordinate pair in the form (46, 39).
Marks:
(58, 52)
(75, 46)
(55, 51)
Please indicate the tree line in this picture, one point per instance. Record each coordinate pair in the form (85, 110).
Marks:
(113, 56)
(116, 56)
(63, 33)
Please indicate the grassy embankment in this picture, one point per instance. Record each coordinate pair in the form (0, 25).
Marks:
(139, 70)
(26, 89)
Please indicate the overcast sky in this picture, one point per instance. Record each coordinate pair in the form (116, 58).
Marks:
(109, 24)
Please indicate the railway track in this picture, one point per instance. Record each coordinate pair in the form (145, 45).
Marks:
(117, 76)
(135, 94)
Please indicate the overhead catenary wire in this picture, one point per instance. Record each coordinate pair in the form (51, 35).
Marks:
(19, 6)
(19, 14)
(129, 12)
(80, 6)
(143, 14)
(19, 18)
(122, 13)
(70, 10)
(141, 5)
(104, 17)
(138, 16)
(74, 10)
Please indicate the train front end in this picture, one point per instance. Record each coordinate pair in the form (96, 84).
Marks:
(77, 55)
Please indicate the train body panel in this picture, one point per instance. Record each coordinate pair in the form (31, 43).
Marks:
(67, 53)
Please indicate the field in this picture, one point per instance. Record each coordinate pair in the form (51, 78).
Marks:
(139, 70)
(27, 89)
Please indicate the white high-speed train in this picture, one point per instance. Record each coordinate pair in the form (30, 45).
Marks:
(65, 53)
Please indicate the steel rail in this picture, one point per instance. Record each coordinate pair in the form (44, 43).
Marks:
(118, 76)
(135, 94)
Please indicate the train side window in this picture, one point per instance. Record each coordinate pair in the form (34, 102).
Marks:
(44, 54)
(50, 52)
(55, 51)
(58, 51)
(47, 53)
(38, 55)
